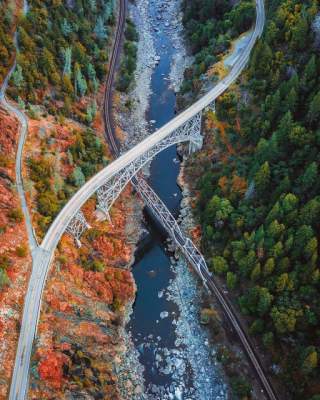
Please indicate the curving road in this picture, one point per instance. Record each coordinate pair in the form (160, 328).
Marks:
(44, 253)
(22, 138)
(33, 245)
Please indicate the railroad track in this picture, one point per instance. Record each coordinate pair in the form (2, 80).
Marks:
(107, 106)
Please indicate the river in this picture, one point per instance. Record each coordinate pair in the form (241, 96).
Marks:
(173, 348)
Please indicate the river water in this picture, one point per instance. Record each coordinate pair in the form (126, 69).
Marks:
(169, 371)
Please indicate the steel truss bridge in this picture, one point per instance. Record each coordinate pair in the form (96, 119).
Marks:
(110, 191)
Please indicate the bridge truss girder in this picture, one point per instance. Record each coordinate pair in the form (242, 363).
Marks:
(164, 216)
(110, 191)
(156, 205)
(77, 226)
(211, 107)
(191, 252)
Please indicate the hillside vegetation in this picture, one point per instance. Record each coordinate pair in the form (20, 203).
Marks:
(63, 50)
(62, 55)
(67, 159)
(129, 58)
(259, 202)
(210, 27)
(7, 22)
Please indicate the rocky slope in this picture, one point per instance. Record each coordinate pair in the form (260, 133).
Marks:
(81, 343)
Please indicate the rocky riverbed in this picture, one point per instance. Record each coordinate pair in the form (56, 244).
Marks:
(185, 367)
(168, 17)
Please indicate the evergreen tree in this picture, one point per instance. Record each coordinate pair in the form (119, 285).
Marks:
(268, 339)
(91, 111)
(310, 74)
(67, 85)
(100, 29)
(67, 54)
(92, 76)
(309, 178)
(70, 157)
(107, 11)
(78, 177)
(269, 267)
(261, 60)
(262, 177)
(66, 27)
(256, 272)
(93, 5)
(21, 103)
(231, 280)
(285, 127)
(300, 34)
(309, 360)
(264, 301)
(220, 265)
(292, 100)
(4, 279)
(80, 81)
(314, 109)
(17, 76)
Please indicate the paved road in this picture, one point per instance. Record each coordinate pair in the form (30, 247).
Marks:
(44, 255)
(32, 305)
(22, 137)
(37, 253)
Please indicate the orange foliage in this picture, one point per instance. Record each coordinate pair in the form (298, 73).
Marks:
(196, 233)
(210, 122)
(112, 248)
(120, 134)
(50, 368)
(238, 126)
(224, 138)
(239, 184)
(92, 331)
(223, 183)
(13, 235)
(97, 282)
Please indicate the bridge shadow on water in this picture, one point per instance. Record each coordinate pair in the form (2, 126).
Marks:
(152, 274)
